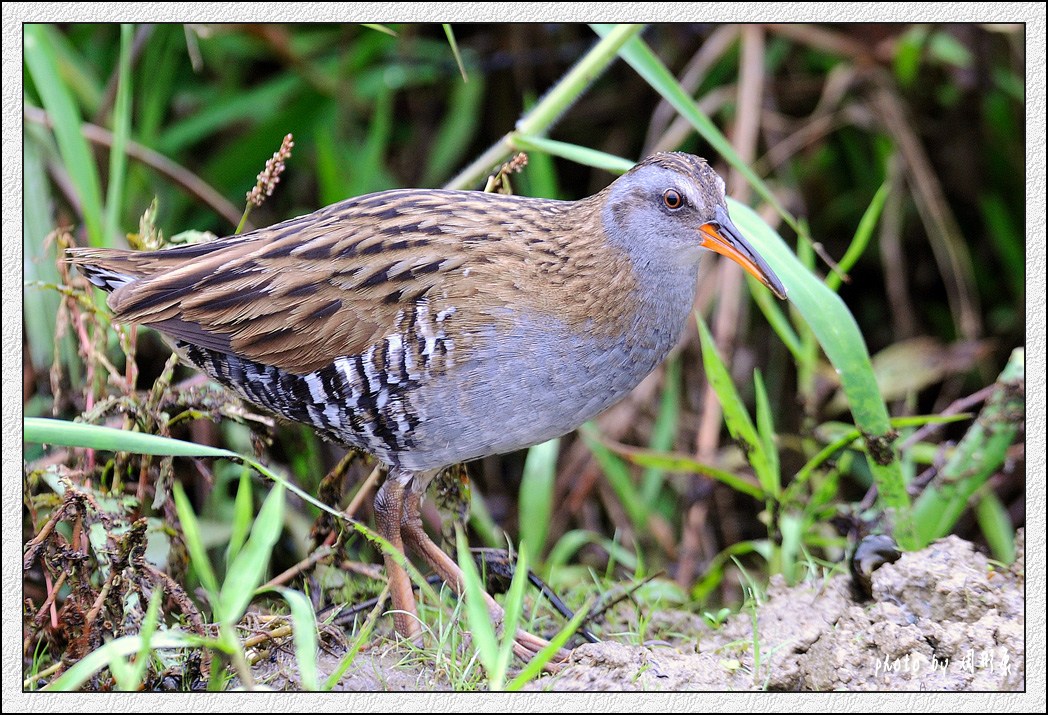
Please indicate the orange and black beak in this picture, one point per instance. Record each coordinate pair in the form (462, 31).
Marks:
(722, 236)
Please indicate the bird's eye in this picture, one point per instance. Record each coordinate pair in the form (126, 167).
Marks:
(673, 199)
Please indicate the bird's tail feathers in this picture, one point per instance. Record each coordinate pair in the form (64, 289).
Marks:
(107, 268)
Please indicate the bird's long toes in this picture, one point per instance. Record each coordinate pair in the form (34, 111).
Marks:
(528, 645)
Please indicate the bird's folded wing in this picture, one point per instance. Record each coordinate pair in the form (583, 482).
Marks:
(291, 296)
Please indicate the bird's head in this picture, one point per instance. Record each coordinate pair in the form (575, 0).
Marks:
(669, 207)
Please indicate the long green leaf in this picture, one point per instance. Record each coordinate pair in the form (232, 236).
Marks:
(131, 676)
(76, 434)
(573, 152)
(996, 525)
(79, 73)
(81, 671)
(570, 543)
(457, 129)
(862, 237)
(304, 623)
(513, 612)
(248, 570)
(455, 51)
(740, 425)
(483, 523)
(771, 479)
(536, 494)
(58, 101)
(38, 262)
(1007, 238)
(243, 515)
(256, 104)
(195, 546)
(381, 28)
(838, 334)
(476, 610)
(672, 462)
(121, 134)
(535, 665)
(791, 528)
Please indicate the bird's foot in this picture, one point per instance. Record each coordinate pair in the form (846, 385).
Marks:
(527, 645)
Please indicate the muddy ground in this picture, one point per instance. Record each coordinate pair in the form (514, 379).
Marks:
(942, 619)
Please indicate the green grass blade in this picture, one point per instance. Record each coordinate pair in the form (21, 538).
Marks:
(736, 417)
(376, 145)
(715, 570)
(256, 105)
(330, 170)
(248, 570)
(772, 482)
(195, 546)
(347, 660)
(82, 671)
(532, 669)
(380, 28)
(455, 51)
(540, 178)
(121, 134)
(996, 525)
(573, 152)
(38, 261)
(243, 513)
(58, 101)
(862, 237)
(483, 523)
(131, 676)
(160, 62)
(791, 529)
(536, 494)
(570, 543)
(514, 605)
(76, 434)
(808, 361)
(80, 76)
(674, 462)
(836, 331)
(1008, 240)
(477, 615)
(304, 625)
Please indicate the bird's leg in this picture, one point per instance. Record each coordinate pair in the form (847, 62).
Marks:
(527, 645)
(389, 507)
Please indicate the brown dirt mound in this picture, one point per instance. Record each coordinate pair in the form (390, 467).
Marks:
(941, 619)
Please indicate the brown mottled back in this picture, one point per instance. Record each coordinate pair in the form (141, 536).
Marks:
(303, 292)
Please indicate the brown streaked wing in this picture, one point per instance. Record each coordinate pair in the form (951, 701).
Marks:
(301, 293)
